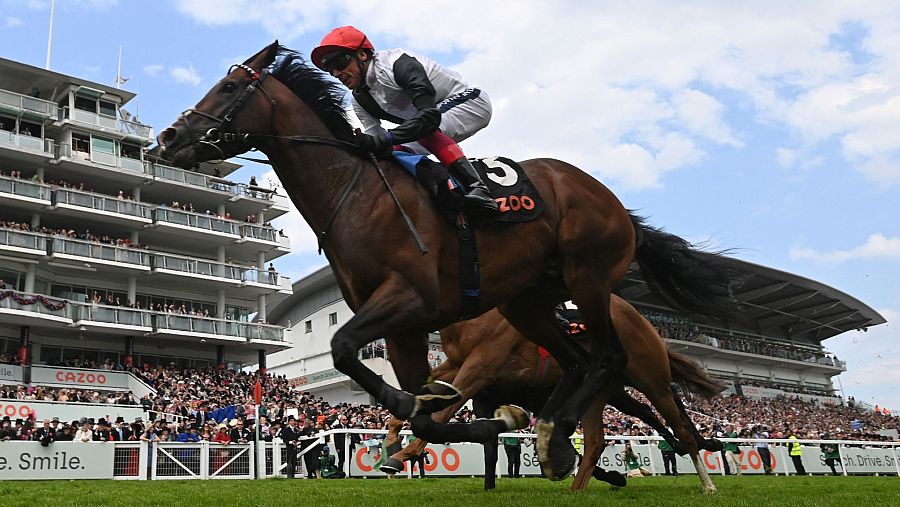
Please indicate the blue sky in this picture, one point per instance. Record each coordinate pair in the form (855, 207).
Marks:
(755, 127)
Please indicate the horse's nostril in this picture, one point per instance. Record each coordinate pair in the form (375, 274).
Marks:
(167, 136)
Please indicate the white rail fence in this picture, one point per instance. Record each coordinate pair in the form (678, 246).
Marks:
(205, 460)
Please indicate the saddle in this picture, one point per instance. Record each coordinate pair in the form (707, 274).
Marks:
(517, 199)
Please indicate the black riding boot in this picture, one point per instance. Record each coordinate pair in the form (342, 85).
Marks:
(479, 198)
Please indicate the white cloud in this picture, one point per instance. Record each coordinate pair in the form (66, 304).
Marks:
(185, 74)
(12, 22)
(153, 69)
(583, 82)
(877, 246)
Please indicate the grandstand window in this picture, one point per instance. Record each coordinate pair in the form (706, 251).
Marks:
(7, 123)
(81, 143)
(108, 108)
(32, 129)
(86, 103)
(10, 279)
(51, 355)
(130, 151)
(332, 319)
(103, 145)
(308, 325)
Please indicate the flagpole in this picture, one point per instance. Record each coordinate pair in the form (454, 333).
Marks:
(119, 71)
(50, 37)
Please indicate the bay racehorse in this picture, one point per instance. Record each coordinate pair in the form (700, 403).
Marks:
(579, 248)
(507, 368)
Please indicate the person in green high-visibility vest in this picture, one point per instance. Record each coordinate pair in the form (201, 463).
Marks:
(796, 452)
(732, 451)
(512, 446)
(668, 455)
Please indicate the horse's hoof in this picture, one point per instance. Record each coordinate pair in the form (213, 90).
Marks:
(514, 416)
(544, 430)
(561, 458)
(612, 477)
(434, 397)
(391, 466)
(713, 445)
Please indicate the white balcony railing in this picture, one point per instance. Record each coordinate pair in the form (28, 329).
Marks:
(26, 103)
(80, 313)
(184, 323)
(24, 188)
(101, 202)
(38, 144)
(198, 220)
(193, 266)
(132, 128)
(109, 159)
(100, 251)
(23, 239)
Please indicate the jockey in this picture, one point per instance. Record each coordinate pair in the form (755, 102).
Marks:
(433, 107)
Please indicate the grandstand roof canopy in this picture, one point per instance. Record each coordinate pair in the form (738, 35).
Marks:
(776, 303)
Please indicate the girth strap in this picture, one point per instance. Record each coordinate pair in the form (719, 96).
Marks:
(469, 270)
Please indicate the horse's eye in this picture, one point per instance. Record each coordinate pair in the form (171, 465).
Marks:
(229, 87)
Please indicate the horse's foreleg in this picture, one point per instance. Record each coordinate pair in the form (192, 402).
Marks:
(705, 481)
(484, 408)
(392, 441)
(478, 370)
(394, 309)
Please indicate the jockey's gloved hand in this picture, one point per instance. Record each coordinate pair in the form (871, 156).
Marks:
(378, 144)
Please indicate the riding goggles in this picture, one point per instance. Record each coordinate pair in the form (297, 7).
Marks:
(338, 60)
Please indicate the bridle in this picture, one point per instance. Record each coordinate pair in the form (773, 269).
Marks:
(224, 133)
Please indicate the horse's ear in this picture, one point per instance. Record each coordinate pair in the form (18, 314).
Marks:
(264, 58)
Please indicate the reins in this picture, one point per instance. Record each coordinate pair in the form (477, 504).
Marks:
(216, 135)
(320, 236)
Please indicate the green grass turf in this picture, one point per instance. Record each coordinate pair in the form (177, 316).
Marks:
(759, 491)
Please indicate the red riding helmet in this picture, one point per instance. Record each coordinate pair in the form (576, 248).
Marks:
(345, 37)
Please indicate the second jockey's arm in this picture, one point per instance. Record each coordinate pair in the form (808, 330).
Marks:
(411, 76)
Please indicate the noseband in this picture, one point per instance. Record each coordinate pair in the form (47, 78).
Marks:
(224, 132)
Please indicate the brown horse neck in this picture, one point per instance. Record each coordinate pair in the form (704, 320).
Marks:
(313, 175)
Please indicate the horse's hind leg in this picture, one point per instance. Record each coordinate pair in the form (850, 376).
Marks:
(535, 319)
(630, 406)
(592, 422)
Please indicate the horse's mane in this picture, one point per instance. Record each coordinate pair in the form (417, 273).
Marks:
(322, 94)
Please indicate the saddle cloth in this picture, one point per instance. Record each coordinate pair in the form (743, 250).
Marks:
(516, 195)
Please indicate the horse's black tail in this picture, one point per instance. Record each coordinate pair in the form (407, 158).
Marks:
(691, 377)
(686, 277)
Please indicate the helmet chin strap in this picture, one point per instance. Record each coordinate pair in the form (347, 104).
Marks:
(363, 68)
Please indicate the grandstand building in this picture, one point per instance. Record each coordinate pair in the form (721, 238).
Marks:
(106, 254)
(775, 349)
